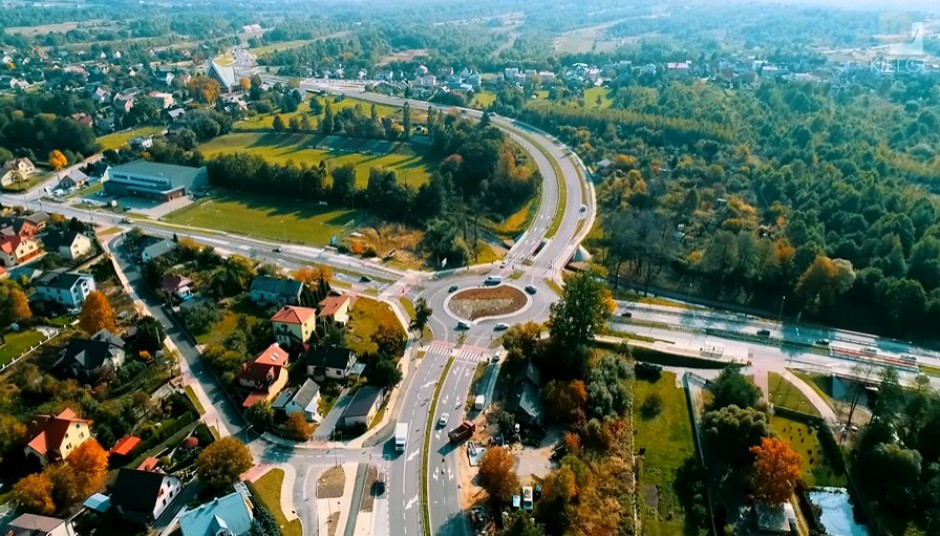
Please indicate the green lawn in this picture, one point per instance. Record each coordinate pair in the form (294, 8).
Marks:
(366, 317)
(412, 163)
(591, 95)
(273, 218)
(266, 121)
(267, 491)
(274, 47)
(667, 438)
(483, 100)
(17, 343)
(783, 393)
(804, 440)
(220, 331)
(516, 223)
(120, 139)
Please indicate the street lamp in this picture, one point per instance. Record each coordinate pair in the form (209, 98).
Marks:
(780, 314)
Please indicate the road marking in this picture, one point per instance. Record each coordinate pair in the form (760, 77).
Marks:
(411, 502)
(413, 455)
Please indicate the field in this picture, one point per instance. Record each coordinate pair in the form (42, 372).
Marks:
(266, 121)
(120, 139)
(483, 100)
(783, 393)
(364, 319)
(286, 45)
(267, 490)
(591, 96)
(273, 218)
(220, 331)
(590, 39)
(16, 344)
(412, 163)
(667, 438)
(805, 441)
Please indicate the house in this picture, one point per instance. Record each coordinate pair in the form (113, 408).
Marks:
(165, 77)
(16, 250)
(157, 250)
(363, 406)
(83, 118)
(18, 226)
(293, 326)
(142, 496)
(177, 285)
(100, 95)
(66, 288)
(161, 99)
(428, 80)
(141, 142)
(329, 362)
(774, 519)
(266, 376)
(125, 446)
(16, 170)
(306, 400)
(524, 401)
(81, 358)
(34, 525)
(275, 290)
(72, 180)
(176, 113)
(336, 308)
(52, 439)
(69, 244)
(37, 219)
(11, 83)
(230, 515)
(225, 75)
(152, 180)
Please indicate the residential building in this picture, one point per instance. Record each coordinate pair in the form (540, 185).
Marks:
(427, 80)
(152, 180)
(306, 400)
(336, 308)
(162, 100)
(72, 180)
(266, 290)
(11, 83)
(225, 75)
(15, 170)
(142, 496)
(157, 250)
(125, 446)
(66, 288)
(83, 118)
(363, 406)
(37, 219)
(34, 525)
(18, 226)
(230, 515)
(329, 362)
(83, 358)
(293, 326)
(266, 376)
(16, 250)
(52, 439)
(166, 77)
(141, 142)
(524, 401)
(177, 285)
(70, 245)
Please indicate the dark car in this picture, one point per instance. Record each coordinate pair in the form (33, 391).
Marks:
(453, 288)
(530, 289)
(365, 279)
(763, 332)
(277, 249)
(626, 314)
(823, 342)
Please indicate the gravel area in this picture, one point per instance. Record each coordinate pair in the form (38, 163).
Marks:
(475, 303)
(331, 483)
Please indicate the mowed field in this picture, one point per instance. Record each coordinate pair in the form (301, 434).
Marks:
(117, 140)
(272, 218)
(412, 162)
(267, 120)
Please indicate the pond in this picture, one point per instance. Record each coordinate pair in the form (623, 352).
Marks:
(837, 512)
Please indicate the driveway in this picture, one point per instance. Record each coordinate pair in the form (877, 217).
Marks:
(326, 426)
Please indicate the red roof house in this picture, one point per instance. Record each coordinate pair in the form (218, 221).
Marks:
(52, 439)
(266, 375)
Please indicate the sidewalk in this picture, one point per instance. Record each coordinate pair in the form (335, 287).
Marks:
(326, 507)
(818, 402)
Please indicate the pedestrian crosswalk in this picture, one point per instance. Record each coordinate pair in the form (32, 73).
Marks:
(467, 353)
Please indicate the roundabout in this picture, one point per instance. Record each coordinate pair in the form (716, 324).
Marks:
(486, 302)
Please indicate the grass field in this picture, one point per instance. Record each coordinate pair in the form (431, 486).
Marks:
(286, 45)
(667, 438)
(267, 490)
(273, 218)
(591, 96)
(220, 331)
(805, 441)
(120, 139)
(412, 163)
(17, 343)
(783, 393)
(267, 120)
(519, 221)
(364, 319)
(483, 100)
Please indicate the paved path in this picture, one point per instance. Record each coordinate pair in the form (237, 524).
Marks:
(818, 402)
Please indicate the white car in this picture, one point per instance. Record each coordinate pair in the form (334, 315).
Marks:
(442, 421)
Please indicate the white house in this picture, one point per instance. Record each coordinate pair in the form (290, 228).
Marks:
(157, 250)
(330, 362)
(70, 245)
(34, 525)
(306, 400)
(142, 496)
(66, 288)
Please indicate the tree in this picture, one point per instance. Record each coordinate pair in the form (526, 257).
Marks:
(824, 279)
(297, 427)
(423, 313)
(305, 124)
(33, 493)
(83, 473)
(734, 431)
(278, 124)
(406, 120)
(57, 160)
(385, 372)
(326, 127)
(11, 434)
(890, 396)
(245, 83)
(776, 470)
(96, 314)
(150, 335)
(521, 524)
(498, 475)
(206, 89)
(18, 306)
(732, 388)
(389, 340)
(584, 307)
(312, 275)
(260, 415)
(521, 340)
(222, 462)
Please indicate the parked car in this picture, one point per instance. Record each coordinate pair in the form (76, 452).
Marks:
(763, 332)
(530, 289)
(453, 288)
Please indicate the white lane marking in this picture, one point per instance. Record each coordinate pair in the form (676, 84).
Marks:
(411, 502)
(413, 455)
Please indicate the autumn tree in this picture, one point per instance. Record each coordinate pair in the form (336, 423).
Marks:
(18, 306)
(564, 399)
(313, 274)
(824, 280)
(422, 314)
(57, 160)
(222, 462)
(11, 434)
(33, 493)
(521, 340)
(498, 475)
(206, 89)
(776, 470)
(89, 462)
(297, 427)
(96, 313)
(389, 339)
(245, 83)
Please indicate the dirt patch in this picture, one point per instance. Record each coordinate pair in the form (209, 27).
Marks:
(381, 241)
(331, 523)
(369, 489)
(331, 484)
(475, 303)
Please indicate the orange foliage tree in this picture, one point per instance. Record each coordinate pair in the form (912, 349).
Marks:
(311, 275)
(19, 306)
(776, 470)
(96, 314)
(244, 83)
(89, 465)
(498, 475)
(33, 493)
(297, 427)
(57, 160)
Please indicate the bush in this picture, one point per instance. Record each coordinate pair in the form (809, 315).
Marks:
(648, 372)
(652, 406)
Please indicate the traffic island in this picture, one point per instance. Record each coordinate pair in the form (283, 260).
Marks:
(487, 302)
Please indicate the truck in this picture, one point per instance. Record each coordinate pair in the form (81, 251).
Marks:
(462, 432)
(401, 436)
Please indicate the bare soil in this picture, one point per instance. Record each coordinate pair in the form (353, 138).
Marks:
(331, 483)
(368, 490)
(331, 523)
(475, 303)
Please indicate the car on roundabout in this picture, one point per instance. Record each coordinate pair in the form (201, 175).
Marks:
(453, 288)
(502, 326)
(530, 289)
(464, 325)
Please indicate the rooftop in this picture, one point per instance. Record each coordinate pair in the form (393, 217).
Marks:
(230, 513)
(276, 285)
(363, 401)
(125, 445)
(307, 393)
(32, 525)
(137, 490)
(61, 280)
(47, 432)
(177, 175)
(330, 356)
(331, 304)
(290, 314)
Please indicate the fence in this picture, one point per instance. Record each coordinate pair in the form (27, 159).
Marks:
(687, 379)
(31, 349)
